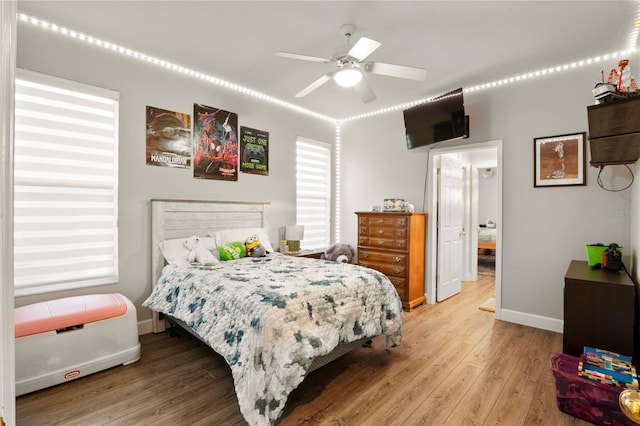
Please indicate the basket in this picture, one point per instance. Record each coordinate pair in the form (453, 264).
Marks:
(594, 253)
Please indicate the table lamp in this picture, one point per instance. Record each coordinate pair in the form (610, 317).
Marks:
(293, 234)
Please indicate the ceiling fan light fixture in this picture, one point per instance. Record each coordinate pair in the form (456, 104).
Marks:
(347, 77)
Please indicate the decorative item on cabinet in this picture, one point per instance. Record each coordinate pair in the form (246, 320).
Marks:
(394, 244)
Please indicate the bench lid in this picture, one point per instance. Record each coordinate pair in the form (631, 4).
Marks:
(67, 312)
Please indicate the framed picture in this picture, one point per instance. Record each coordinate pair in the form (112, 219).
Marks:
(559, 160)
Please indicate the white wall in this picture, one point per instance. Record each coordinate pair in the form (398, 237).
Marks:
(141, 84)
(544, 228)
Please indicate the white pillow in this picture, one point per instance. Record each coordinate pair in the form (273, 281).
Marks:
(224, 236)
(175, 252)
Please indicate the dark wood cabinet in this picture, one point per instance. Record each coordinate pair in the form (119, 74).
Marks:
(599, 310)
(614, 132)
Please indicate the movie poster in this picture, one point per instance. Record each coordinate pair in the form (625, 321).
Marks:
(215, 143)
(254, 146)
(168, 138)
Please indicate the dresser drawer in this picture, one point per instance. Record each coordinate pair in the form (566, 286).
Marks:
(384, 232)
(382, 257)
(378, 242)
(400, 285)
(382, 220)
(397, 271)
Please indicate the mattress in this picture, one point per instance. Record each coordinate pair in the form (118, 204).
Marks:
(270, 317)
(486, 235)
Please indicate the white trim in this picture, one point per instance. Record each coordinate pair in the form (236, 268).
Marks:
(431, 207)
(530, 320)
(145, 327)
(8, 11)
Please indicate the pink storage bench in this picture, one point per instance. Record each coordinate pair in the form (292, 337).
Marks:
(64, 339)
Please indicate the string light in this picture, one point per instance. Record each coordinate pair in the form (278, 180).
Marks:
(166, 65)
(504, 81)
(633, 39)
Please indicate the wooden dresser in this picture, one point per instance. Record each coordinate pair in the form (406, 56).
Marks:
(394, 244)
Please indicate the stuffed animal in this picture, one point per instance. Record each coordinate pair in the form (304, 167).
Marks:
(254, 247)
(198, 253)
(339, 252)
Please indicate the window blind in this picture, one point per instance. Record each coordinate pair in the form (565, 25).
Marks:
(313, 193)
(65, 184)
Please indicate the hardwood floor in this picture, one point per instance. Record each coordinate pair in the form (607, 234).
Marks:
(456, 366)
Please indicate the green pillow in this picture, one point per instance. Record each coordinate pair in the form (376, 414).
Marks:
(231, 251)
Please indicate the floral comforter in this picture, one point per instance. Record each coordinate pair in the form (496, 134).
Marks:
(269, 317)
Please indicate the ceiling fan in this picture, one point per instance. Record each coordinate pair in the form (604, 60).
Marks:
(350, 63)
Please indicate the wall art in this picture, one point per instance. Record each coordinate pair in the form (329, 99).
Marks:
(215, 142)
(559, 160)
(168, 138)
(254, 146)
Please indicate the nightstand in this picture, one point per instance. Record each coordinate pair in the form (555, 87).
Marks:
(313, 254)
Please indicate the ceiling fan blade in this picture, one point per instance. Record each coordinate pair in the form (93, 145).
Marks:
(303, 57)
(313, 86)
(363, 48)
(392, 70)
(363, 89)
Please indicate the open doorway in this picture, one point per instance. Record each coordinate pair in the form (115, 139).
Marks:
(476, 158)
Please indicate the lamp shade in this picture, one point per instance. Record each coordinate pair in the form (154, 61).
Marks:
(294, 232)
(347, 77)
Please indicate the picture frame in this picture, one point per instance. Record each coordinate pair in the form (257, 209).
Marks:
(559, 160)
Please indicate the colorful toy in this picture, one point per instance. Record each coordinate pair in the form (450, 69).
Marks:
(254, 247)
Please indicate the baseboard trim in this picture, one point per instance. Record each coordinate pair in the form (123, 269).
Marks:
(537, 321)
(145, 327)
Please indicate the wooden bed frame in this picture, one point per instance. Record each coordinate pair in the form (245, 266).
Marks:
(487, 245)
(183, 218)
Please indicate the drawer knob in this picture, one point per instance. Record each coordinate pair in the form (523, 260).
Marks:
(380, 231)
(396, 259)
(380, 242)
(380, 220)
(401, 222)
(365, 254)
(396, 270)
(396, 282)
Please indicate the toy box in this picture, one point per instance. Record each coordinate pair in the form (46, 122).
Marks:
(584, 398)
(64, 339)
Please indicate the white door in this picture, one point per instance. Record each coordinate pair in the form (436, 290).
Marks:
(450, 229)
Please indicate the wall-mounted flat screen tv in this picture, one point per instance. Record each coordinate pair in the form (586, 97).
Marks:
(439, 120)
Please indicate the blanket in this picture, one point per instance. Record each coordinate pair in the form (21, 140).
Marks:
(269, 317)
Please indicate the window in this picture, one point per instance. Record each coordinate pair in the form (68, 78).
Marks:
(65, 183)
(313, 192)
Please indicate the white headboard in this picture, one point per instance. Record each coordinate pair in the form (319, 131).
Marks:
(182, 218)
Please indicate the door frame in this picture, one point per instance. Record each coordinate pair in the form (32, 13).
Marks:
(8, 11)
(431, 197)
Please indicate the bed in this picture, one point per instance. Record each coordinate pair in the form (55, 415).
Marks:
(274, 319)
(487, 238)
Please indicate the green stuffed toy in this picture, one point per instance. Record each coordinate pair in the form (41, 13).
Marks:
(232, 251)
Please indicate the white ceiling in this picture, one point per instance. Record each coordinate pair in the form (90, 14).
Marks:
(460, 43)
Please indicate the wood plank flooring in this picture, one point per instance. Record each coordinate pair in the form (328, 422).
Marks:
(456, 366)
